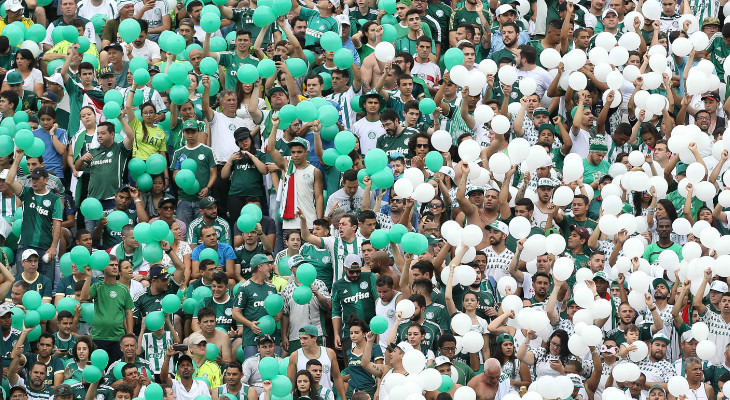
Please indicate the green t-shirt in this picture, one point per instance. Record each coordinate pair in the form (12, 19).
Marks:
(243, 19)
(652, 251)
(592, 173)
(110, 238)
(39, 211)
(46, 393)
(461, 15)
(250, 300)
(147, 302)
(53, 366)
(203, 156)
(41, 284)
(320, 260)
(243, 255)
(67, 344)
(7, 344)
(317, 25)
(106, 170)
(430, 340)
(354, 297)
(359, 378)
(395, 144)
(231, 62)
(569, 220)
(223, 312)
(103, 392)
(504, 53)
(221, 227)
(246, 180)
(110, 305)
(438, 314)
(718, 52)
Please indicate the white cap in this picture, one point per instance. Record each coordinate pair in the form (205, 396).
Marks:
(13, 5)
(353, 259)
(405, 346)
(446, 170)
(28, 253)
(608, 11)
(55, 78)
(335, 3)
(441, 360)
(4, 173)
(687, 336)
(503, 9)
(719, 286)
(343, 19)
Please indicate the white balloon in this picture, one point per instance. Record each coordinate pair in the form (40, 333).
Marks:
(600, 71)
(554, 243)
(678, 385)
(575, 59)
(512, 302)
(682, 46)
(605, 40)
(615, 79)
(430, 379)
(669, 260)
(598, 55)
(403, 188)
(461, 324)
(414, 362)
(631, 72)
(636, 158)
(706, 350)
(476, 82)
(482, 114)
(536, 158)
(577, 346)
(616, 98)
(507, 75)
(652, 9)
(639, 281)
(442, 140)
(642, 350)
(465, 393)
(658, 63)
(473, 342)
(459, 75)
(406, 307)
(465, 275)
(629, 20)
(393, 380)
(423, 193)
(550, 58)
(488, 66)
(691, 250)
(500, 124)
(31, 46)
(470, 255)
(601, 308)
(636, 300)
(527, 86)
(699, 40)
(503, 283)
(384, 51)
(695, 172)
(633, 247)
(630, 41)
(609, 224)
(468, 151)
(704, 191)
(471, 235)
(414, 175)
(612, 205)
(499, 163)
(518, 149)
(563, 268)
(577, 81)
(656, 103)
(618, 55)
(700, 331)
(519, 227)
(652, 80)
(583, 296)
(563, 196)
(696, 82)
(681, 226)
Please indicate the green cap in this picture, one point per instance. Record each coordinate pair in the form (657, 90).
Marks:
(661, 281)
(14, 78)
(660, 336)
(190, 124)
(277, 88)
(601, 275)
(505, 337)
(681, 168)
(627, 208)
(552, 128)
(432, 239)
(297, 141)
(310, 330)
(258, 259)
(541, 110)
(597, 145)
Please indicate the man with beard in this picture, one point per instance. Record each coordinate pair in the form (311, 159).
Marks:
(664, 232)
(545, 189)
(433, 331)
(487, 384)
(435, 312)
(249, 300)
(662, 291)
(510, 34)
(656, 367)
(186, 388)
(526, 61)
(535, 290)
(396, 135)
(499, 257)
(208, 207)
(233, 386)
(719, 334)
(626, 317)
(472, 12)
(37, 389)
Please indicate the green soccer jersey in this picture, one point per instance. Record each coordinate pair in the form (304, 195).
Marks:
(462, 15)
(317, 25)
(107, 169)
(356, 297)
(438, 314)
(221, 227)
(485, 298)
(569, 220)
(110, 304)
(246, 180)
(232, 62)
(64, 344)
(54, 366)
(45, 393)
(110, 238)
(196, 284)
(39, 211)
(719, 50)
(244, 255)
(40, 283)
(147, 302)
(203, 157)
(250, 300)
(395, 143)
(241, 395)
(153, 349)
(103, 392)
(430, 340)
(322, 262)
(7, 344)
(243, 19)
(592, 173)
(652, 251)
(223, 312)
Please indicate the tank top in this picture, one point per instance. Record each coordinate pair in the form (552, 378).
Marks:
(697, 394)
(383, 393)
(326, 380)
(387, 311)
(242, 394)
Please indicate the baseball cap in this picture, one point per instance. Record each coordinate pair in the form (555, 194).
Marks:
(660, 336)
(310, 330)
(661, 281)
(63, 390)
(265, 338)
(505, 337)
(504, 8)
(258, 259)
(577, 381)
(277, 89)
(405, 347)
(342, 19)
(296, 260)
(153, 68)
(499, 226)
(55, 78)
(196, 338)
(470, 189)
(4, 309)
(49, 96)
(28, 253)
(114, 46)
(14, 78)
(687, 336)
(432, 239)
(600, 275)
(39, 172)
(4, 173)
(158, 272)
(542, 182)
(583, 232)
(190, 124)
(540, 110)
(13, 5)
(658, 387)
(106, 71)
(241, 133)
(166, 200)
(550, 127)
(441, 360)
(609, 11)
(719, 286)
(711, 95)
(335, 3)
(353, 259)
(448, 171)
(297, 141)
(207, 202)
(711, 21)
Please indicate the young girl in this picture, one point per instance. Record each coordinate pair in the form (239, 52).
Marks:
(293, 242)
(303, 386)
(54, 138)
(359, 379)
(631, 335)
(470, 303)
(81, 357)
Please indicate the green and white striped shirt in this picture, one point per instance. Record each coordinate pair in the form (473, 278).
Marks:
(154, 348)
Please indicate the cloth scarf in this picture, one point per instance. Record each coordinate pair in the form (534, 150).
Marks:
(288, 201)
(137, 258)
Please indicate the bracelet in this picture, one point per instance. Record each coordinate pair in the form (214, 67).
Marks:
(651, 210)
(137, 200)
(652, 310)
(168, 251)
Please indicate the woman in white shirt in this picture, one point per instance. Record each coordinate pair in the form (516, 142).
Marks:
(25, 66)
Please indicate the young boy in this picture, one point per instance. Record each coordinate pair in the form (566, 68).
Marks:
(154, 344)
(315, 368)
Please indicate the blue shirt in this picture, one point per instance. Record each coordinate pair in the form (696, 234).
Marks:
(498, 44)
(53, 161)
(225, 253)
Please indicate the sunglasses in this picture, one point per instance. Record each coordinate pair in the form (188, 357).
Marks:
(167, 208)
(397, 201)
(422, 145)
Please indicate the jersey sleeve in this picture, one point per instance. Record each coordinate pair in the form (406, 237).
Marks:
(336, 306)
(304, 13)
(58, 209)
(240, 299)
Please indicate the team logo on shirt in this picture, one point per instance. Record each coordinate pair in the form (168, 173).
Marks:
(46, 203)
(363, 285)
(371, 135)
(228, 312)
(428, 335)
(232, 127)
(109, 154)
(326, 259)
(390, 313)
(113, 294)
(439, 13)
(201, 157)
(429, 315)
(158, 12)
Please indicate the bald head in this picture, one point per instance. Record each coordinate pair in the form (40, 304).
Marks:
(380, 260)
(492, 371)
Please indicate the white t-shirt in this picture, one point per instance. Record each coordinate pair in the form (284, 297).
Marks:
(149, 51)
(368, 132)
(199, 388)
(88, 10)
(29, 82)
(429, 72)
(580, 142)
(540, 76)
(221, 140)
(153, 16)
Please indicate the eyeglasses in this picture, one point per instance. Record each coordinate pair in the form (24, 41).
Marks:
(702, 118)
(397, 201)
(450, 348)
(422, 145)
(167, 208)
(554, 344)
(430, 229)
(435, 205)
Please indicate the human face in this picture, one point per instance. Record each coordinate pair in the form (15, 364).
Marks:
(316, 371)
(346, 228)
(207, 324)
(278, 100)
(469, 57)
(129, 348)
(82, 351)
(574, 240)
(339, 83)
(555, 344)
(45, 347)
(668, 7)
(298, 155)
(470, 300)
(106, 138)
(414, 22)
(545, 193)
(314, 88)
(68, 8)
(320, 231)
(233, 376)
(710, 29)
(367, 227)
(395, 204)
(610, 21)
(725, 304)
(579, 207)
(411, 116)
(37, 375)
(657, 394)
(5, 105)
(423, 50)
(406, 87)
(509, 36)
(175, 228)
(385, 293)
(495, 237)
(632, 336)
(185, 369)
(303, 383)
(492, 376)
(31, 265)
(664, 229)
(219, 290)
(542, 285)
(422, 146)
(702, 120)
(414, 336)
(243, 42)
(690, 348)
(658, 350)
(149, 115)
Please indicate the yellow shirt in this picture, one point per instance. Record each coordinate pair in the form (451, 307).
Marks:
(26, 21)
(62, 48)
(154, 143)
(210, 371)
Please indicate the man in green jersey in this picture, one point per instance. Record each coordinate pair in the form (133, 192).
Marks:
(42, 214)
(250, 300)
(319, 258)
(36, 281)
(209, 217)
(579, 208)
(125, 195)
(128, 348)
(54, 366)
(319, 21)
(396, 136)
(207, 269)
(355, 294)
(150, 299)
(232, 60)
(36, 385)
(664, 232)
(232, 384)
(10, 335)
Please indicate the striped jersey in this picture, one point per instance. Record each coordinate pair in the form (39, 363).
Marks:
(153, 349)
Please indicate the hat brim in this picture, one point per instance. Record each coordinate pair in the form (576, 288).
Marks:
(364, 97)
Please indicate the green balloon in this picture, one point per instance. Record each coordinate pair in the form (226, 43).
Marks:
(70, 34)
(380, 238)
(434, 161)
(144, 182)
(306, 111)
(266, 68)
(329, 132)
(91, 59)
(17, 226)
(37, 148)
(154, 392)
(159, 230)
(116, 220)
(284, 266)
(170, 304)
(194, 189)
(306, 274)
(247, 74)
(189, 306)
(246, 223)
(176, 44)
(67, 304)
(80, 256)
(427, 106)
(99, 260)
(99, 21)
(215, 87)
(267, 325)
(156, 164)
(161, 82)
(345, 142)
(414, 243)
(92, 209)
(47, 311)
(152, 252)
(343, 163)
(211, 351)
(141, 77)
(100, 359)
(35, 334)
(253, 210)
(375, 160)
(65, 264)
(446, 383)
(209, 254)
(14, 34)
(141, 232)
(280, 386)
(154, 320)
(210, 22)
(208, 66)
(453, 57)
(189, 164)
(283, 365)
(36, 33)
(112, 110)
(288, 113)
(296, 66)
(177, 72)
(18, 317)
(32, 300)
(84, 44)
(355, 104)
(113, 96)
(302, 295)
(389, 33)
(185, 178)
(239, 350)
(91, 373)
(268, 368)
(328, 115)
(281, 7)
(218, 44)
(137, 167)
(378, 325)
(327, 79)
(32, 318)
(396, 233)
(273, 304)
(129, 30)
(388, 6)
(263, 16)
(383, 179)
(331, 41)
(201, 293)
(330, 156)
(344, 59)
(24, 139)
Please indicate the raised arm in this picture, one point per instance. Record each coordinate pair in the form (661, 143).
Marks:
(304, 230)
(13, 172)
(552, 310)
(697, 302)
(207, 111)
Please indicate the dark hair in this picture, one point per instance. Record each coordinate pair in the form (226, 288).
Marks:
(366, 215)
(220, 278)
(109, 126)
(468, 27)
(411, 12)
(46, 110)
(82, 339)
(544, 275)
(364, 31)
(649, 128)
(424, 39)
(204, 264)
(144, 25)
(311, 362)
(503, 359)
(424, 284)
(512, 24)
(86, 65)
(63, 315)
(528, 53)
(582, 197)
(669, 208)
(317, 77)
(425, 266)
(235, 365)
(410, 105)
(384, 280)
(349, 176)
(126, 367)
(144, 126)
(402, 77)
(351, 218)
(418, 300)
(564, 351)
(342, 72)
(414, 139)
(11, 97)
(124, 388)
(389, 115)
(206, 312)
(26, 55)
(445, 338)
(312, 394)
(353, 320)
(291, 232)
(525, 202)
(321, 222)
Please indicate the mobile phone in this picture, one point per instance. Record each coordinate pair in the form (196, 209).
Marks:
(276, 58)
(180, 347)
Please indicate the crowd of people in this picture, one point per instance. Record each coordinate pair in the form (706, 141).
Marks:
(364, 200)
